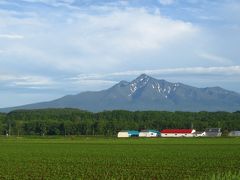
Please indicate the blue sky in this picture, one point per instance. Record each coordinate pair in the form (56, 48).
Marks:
(50, 48)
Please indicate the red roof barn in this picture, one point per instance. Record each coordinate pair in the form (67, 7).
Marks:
(178, 132)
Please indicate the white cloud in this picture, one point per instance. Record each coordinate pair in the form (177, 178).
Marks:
(50, 2)
(216, 58)
(91, 81)
(20, 80)
(11, 36)
(55, 3)
(166, 2)
(224, 70)
(111, 35)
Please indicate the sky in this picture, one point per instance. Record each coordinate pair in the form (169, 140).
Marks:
(51, 48)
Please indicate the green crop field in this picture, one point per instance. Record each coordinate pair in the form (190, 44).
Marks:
(111, 158)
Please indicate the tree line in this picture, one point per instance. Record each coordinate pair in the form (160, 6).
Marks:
(108, 123)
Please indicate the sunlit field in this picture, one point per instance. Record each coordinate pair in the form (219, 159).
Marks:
(112, 158)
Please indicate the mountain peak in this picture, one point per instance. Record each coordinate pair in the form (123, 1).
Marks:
(138, 83)
(143, 76)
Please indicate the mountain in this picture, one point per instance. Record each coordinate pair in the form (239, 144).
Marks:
(147, 93)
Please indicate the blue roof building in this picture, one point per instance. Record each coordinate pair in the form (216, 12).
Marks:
(128, 133)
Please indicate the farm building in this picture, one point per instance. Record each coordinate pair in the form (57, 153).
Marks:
(130, 133)
(213, 132)
(149, 133)
(178, 133)
(199, 134)
(234, 133)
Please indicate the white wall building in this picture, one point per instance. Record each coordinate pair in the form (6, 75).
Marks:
(149, 133)
(213, 132)
(234, 133)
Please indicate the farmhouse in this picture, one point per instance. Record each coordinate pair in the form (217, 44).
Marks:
(149, 133)
(213, 132)
(178, 133)
(234, 133)
(129, 133)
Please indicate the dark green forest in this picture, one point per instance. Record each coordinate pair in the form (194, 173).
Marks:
(77, 122)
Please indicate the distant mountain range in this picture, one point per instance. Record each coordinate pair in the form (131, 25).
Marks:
(146, 93)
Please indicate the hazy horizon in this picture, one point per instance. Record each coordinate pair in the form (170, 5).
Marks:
(52, 48)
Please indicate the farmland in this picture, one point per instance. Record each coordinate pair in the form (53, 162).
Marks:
(111, 158)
